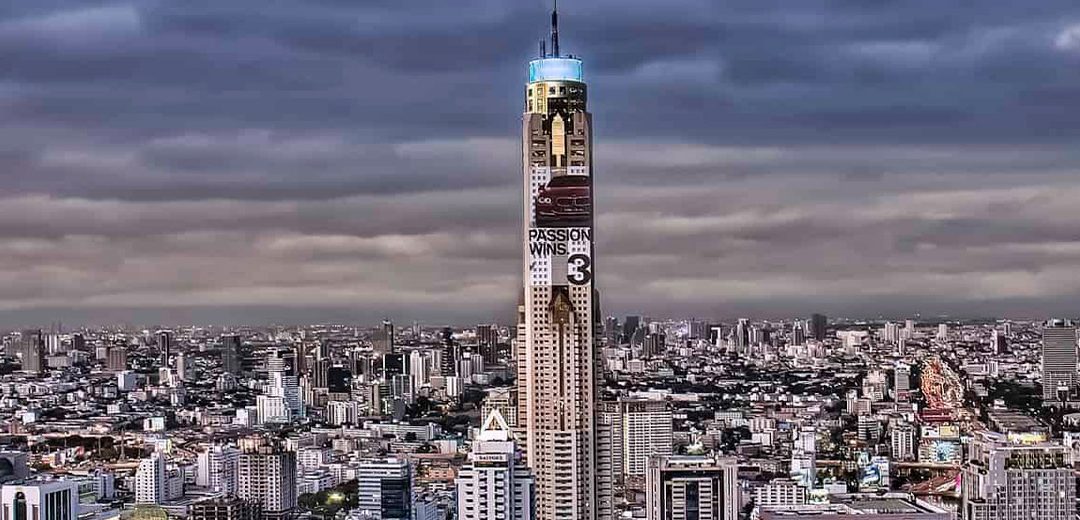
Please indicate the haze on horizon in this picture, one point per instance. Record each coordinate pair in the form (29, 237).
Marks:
(245, 162)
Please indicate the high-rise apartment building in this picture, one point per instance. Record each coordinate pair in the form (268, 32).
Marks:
(385, 489)
(150, 480)
(902, 441)
(32, 349)
(494, 483)
(559, 311)
(689, 486)
(1003, 481)
(116, 358)
(1059, 361)
(266, 475)
(638, 429)
(216, 469)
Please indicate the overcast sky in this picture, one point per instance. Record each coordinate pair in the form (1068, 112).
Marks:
(251, 161)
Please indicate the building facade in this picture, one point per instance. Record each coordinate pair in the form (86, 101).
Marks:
(559, 312)
(266, 475)
(692, 487)
(385, 489)
(1004, 481)
(1059, 361)
(54, 500)
(495, 483)
(150, 480)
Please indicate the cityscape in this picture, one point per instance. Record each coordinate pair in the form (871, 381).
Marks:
(565, 410)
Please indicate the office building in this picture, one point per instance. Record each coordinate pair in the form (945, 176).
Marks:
(494, 483)
(266, 475)
(1059, 361)
(45, 500)
(1005, 481)
(689, 486)
(557, 362)
(798, 333)
(385, 489)
(819, 325)
(487, 341)
(165, 347)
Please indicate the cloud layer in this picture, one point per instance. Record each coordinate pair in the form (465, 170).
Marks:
(329, 160)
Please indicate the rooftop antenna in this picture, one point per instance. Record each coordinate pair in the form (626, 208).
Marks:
(555, 30)
(543, 48)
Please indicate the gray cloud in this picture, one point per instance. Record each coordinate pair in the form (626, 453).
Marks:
(220, 162)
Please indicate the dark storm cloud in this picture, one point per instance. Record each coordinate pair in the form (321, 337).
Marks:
(238, 160)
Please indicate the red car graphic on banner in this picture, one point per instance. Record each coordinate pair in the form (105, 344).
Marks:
(566, 201)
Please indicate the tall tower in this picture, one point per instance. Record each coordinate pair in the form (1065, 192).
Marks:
(559, 310)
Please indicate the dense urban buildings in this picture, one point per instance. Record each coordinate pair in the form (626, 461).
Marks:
(557, 413)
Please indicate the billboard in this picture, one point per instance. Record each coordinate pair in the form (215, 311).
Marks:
(875, 472)
(560, 232)
(940, 451)
(564, 201)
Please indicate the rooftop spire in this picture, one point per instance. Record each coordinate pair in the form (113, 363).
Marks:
(555, 29)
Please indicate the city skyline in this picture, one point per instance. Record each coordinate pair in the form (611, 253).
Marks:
(855, 161)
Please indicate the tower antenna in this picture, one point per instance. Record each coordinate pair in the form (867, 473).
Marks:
(555, 29)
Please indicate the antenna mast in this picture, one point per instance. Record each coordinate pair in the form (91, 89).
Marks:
(555, 29)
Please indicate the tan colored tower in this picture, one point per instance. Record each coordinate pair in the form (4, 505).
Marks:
(558, 316)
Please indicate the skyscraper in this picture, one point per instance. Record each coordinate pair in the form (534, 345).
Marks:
(689, 486)
(230, 354)
(818, 325)
(1059, 378)
(165, 346)
(495, 483)
(382, 341)
(557, 362)
(487, 340)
